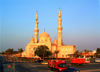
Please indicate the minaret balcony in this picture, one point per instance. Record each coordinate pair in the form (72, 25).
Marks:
(36, 30)
(59, 28)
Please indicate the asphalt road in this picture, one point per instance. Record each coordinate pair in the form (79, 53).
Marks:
(93, 67)
(32, 67)
(38, 67)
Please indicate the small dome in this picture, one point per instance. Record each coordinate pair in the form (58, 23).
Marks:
(32, 39)
(44, 35)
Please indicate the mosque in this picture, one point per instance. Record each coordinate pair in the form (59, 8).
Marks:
(44, 39)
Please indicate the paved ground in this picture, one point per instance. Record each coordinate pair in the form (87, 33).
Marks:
(6, 69)
(32, 67)
(93, 67)
(5, 64)
(38, 67)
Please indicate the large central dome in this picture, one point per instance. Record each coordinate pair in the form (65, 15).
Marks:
(44, 35)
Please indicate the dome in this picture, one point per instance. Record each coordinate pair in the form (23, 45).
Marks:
(44, 35)
(32, 40)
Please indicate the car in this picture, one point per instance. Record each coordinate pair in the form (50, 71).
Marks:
(38, 61)
(44, 63)
(71, 70)
(97, 60)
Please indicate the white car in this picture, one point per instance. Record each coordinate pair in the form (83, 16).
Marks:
(97, 60)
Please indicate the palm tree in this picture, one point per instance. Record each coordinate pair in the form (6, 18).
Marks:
(76, 53)
(85, 51)
(20, 51)
(56, 52)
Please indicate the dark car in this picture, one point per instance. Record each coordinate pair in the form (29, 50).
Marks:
(71, 70)
(38, 61)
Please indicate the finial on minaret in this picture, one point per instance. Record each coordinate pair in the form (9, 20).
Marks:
(32, 36)
(59, 15)
(44, 29)
(36, 18)
(59, 7)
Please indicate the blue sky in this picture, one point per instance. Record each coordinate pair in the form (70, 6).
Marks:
(80, 22)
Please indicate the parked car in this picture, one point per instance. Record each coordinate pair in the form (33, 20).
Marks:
(38, 61)
(71, 70)
(44, 63)
(97, 60)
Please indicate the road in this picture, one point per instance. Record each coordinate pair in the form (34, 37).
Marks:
(37, 67)
(32, 67)
(93, 67)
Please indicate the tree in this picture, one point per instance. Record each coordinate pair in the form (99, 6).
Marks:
(2, 53)
(56, 52)
(85, 51)
(20, 51)
(42, 51)
(98, 52)
(15, 52)
(9, 51)
(76, 53)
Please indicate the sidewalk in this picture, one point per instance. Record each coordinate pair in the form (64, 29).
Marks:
(6, 69)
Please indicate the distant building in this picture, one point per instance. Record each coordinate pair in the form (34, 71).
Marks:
(91, 53)
(94, 51)
(45, 39)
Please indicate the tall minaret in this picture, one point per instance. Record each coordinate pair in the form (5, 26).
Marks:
(59, 28)
(36, 30)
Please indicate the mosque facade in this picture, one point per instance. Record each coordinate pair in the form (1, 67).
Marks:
(44, 39)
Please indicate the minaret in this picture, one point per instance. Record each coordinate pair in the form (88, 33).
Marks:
(36, 30)
(59, 28)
